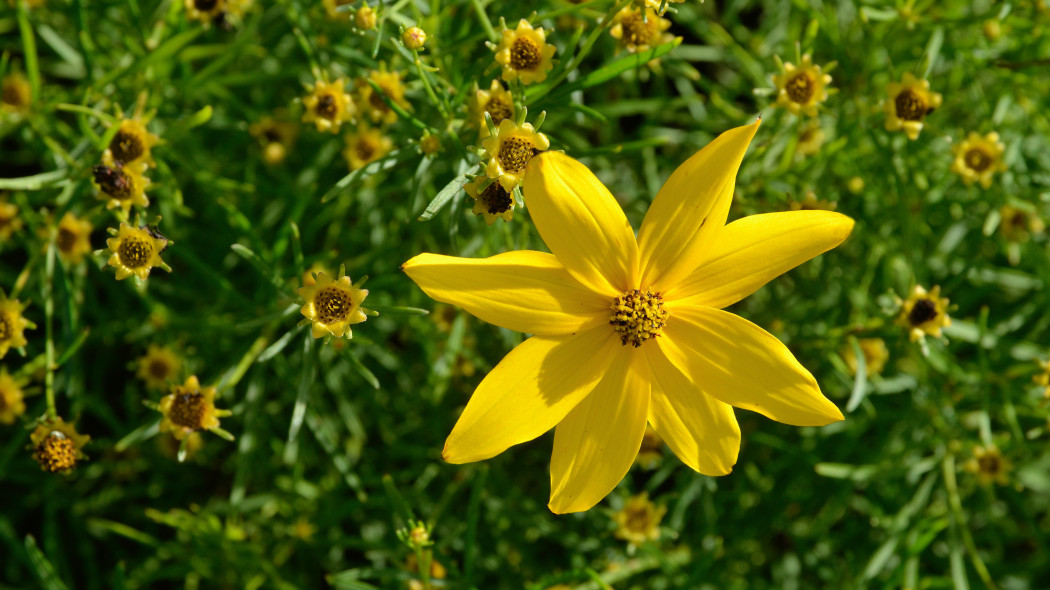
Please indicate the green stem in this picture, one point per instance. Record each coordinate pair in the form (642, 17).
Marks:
(440, 104)
(950, 485)
(485, 22)
(49, 341)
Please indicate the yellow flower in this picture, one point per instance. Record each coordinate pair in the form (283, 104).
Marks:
(497, 102)
(377, 108)
(73, 239)
(510, 150)
(924, 313)
(651, 451)
(365, 145)
(810, 202)
(136, 251)
(328, 106)
(989, 465)
(132, 144)
(801, 89)
(316, 268)
(525, 54)
(626, 328)
(429, 144)
(158, 366)
(875, 355)
(276, 137)
(365, 18)
(639, 520)
(10, 222)
(494, 202)
(57, 445)
(331, 8)
(121, 186)
(1043, 378)
(333, 306)
(12, 325)
(910, 101)
(11, 398)
(637, 31)
(15, 93)
(810, 140)
(1018, 224)
(977, 158)
(189, 408)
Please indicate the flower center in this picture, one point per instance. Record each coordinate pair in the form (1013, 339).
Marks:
(496, 199)
(113, 181)
(205, 5)
(514, 153)
(910, 106)
(498, 110)
(377, 102)
(638, 521)
(159, 369)
(365, 150)
(189, 410)
(126, 147)
(989, 463)
(638, 316)
(5, 327)
(923, 311)
(525, 54)
(333, 305)
(977, 160)
(56, 453)
(326, 106)
(638, 32)
(12, 96)
(65, 240)
(135, 253)
(800, 87)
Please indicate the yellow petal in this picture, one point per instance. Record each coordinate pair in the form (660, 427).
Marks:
(528, 392)
(754, 250)
(581, 223)
(596, 444)
(526, 291)
(744, 366)
(691, 209)
(702, 431)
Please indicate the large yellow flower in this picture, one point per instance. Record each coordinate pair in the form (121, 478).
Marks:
(910, 101)
(977, 158)
(525, 54)
(628, 330)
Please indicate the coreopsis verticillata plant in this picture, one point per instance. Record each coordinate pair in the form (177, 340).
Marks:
(524, 53)
(924, 314)
(491, 200)
(332, 306)
(57, 445)
(12, 324)
(133, 143)
(989, 465)
(158, 366)
(630, 329)
(121, 186)
(639, 520)
(509, 149)
(365, 145)
(12, 404)
(978, 157)
(497, 102)
(801, 89)
(373, 103)
(73, 238)
(910, 101)
(638, 29)
(136, 250)
(328, 105)
(276, 136)
(190, 408)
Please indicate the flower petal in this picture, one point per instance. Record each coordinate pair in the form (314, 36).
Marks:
(690, 209)
(581, 223)
(744, 366)
(754, 250)
(525, 291)
(528, 392)
(701, 430)
(596, 444)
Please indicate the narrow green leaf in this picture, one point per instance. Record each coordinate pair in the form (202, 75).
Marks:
(444, 196)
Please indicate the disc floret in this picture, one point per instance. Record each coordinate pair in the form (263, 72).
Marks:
(638, 316)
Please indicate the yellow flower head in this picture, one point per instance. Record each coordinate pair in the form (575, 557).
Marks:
(910, 101)
(189, 408)
(10, 222)
(328, 106)
(333, 306)
(989, 465)
(121, 186)
(810, 140)
(496, 101)
(651, 451)
(15, 93)
(875, 355)
(525, 54)
(638, 31)
(365, 145)
(57, 445)
(372, 102)
(136, 251)
(801, 89)
(275, 136)
(977, 158)
(73, 238)
(639, 520)
(1017, 224)
(924, 314)
(158, 366)
(365, 18)
(1043, 378)
(12, 325)
(132, 144)
(414, 38)
(625, 328)
(11, 398)
(429, 144)
(493, 202)
(510, 150)
(331, 8)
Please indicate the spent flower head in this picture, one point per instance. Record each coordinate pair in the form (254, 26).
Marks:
(57, 445)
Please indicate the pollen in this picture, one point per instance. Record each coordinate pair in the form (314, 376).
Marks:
(135, 253)
(495, 199)
(126, 147)
(498, 109)
(333, 305)
(910, 106)
(514, 154)
(525, 54)
(189, 410)
(638, 316)
(977, 160)
(800, 87)
(923, 311)
(56, 453)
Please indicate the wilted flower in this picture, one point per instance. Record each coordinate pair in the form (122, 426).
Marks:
(57, 445)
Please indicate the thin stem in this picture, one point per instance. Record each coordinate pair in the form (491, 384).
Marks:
(485, 22)
(49, 341)
(956, 503)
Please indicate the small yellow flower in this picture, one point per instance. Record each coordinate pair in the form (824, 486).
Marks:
(276, 137)
(331, 8)
(1018, 224)
(136, 251)
(977, 158)
(496, 101)
(1043, 378)
(308, 279)
(333, 306)
(855, 185)
(11, 398)
(810, 140)
(372, 102)
(989, 465)
(801, 89)
(365, 18)
(493, 202)
(73, 238)
(132, 144)
(525, 54)
(810, 202)
(190, 408)
(924, 314)
(328, 105)
(57, 445)
(651, 451)
(510, 150)
(909, 104)
(429, 144)
(414, 38)
(12, 325)
(638, 31)
(121, 186)
(158, 366)
(10, 222)
(875, 355)
(365, 145)
(639, 520)
(15, 93)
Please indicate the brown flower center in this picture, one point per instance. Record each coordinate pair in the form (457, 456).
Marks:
(113, 182)
(365, 150)
(205, 5)
(376, 100)
(498, 109)
(977, 160)
(525, 54)
(638, 32)
(638, 316)
(800, 87)
(134, 252)
(923, 311)
(496, 199)
(126, 147)
(333, 305)
(56, 453)
(911, 106)
(189, 410)
(990, 464)
(12, 95)
(159, 369)
(326, 107)
(514, 154)
(66, 240)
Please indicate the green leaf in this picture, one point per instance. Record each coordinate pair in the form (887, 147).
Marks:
(43, 569)
(444, 196)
